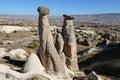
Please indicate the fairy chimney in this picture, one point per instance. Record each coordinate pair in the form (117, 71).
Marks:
(70, 48)
(47, 52)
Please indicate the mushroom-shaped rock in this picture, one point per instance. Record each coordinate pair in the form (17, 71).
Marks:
(43, 10)
(33, 64)
(70, 48)
(68, 17)
(47, 52)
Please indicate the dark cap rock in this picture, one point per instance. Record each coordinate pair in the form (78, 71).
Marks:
(68, 17)
(43, 10)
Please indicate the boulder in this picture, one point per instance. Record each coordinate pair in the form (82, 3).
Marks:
(7, 42)
(8, 74)
(33, 64)
(70, 48)
(103, 42)
(17, 54)
(84, 42)
(93, 76)
(98, 37)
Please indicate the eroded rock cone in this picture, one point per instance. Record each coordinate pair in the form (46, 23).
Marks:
(69, 42)
(33, 64)
(59, 46)
(59, 42)
(47, 51)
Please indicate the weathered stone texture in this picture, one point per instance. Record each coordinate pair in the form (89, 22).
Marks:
(69, 42)
(47, 51)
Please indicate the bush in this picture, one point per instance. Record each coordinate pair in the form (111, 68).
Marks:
(32, 45)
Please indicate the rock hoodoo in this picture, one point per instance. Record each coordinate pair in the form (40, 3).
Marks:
(59, 42)
(69, 42)
(47, 52)
(33, 64)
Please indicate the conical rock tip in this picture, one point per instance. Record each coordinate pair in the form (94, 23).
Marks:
(43, 10)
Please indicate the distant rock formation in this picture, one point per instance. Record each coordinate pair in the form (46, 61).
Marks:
(103, 42)
(69, 42)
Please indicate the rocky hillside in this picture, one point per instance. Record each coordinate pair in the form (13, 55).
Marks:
(105, 19)
(88, 19)
(105, 62)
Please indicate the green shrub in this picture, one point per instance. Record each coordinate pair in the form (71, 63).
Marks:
(32, 45)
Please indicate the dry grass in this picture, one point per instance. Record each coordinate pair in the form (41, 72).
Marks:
(17, 35)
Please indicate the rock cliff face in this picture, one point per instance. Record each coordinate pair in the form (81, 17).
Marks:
(105, 62)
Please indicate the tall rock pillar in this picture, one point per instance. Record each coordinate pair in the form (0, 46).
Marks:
(70, 48)
(47, 52)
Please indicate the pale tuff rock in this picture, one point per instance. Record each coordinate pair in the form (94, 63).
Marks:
(69, 42)
(59, 42)
(33, 64)
(9, 29)
(3, 52)
(6, 69)
(17, 54)
(8, 74)
(47, 52)
(59, 46)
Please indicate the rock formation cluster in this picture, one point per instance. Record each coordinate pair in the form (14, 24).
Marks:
(56, 58)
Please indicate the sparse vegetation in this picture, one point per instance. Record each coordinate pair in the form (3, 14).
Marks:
(28, 51)
(32, 45)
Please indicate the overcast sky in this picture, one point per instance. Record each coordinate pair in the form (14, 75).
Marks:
(59, 7)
